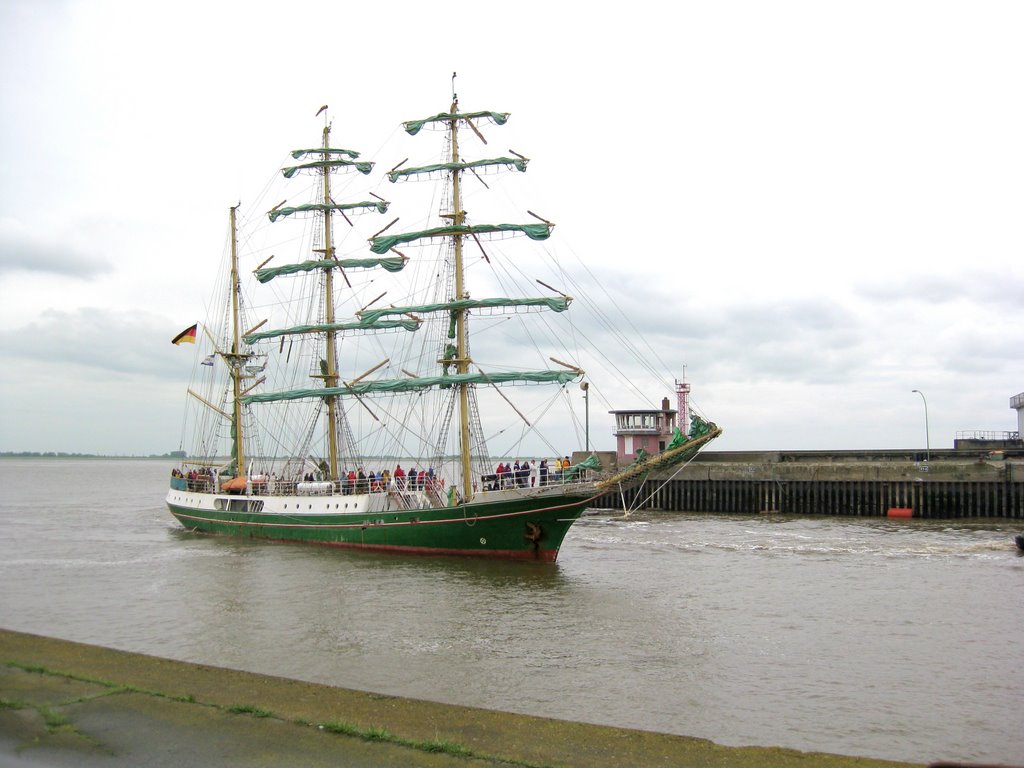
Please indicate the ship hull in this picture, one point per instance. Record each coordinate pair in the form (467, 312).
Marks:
(510, 526)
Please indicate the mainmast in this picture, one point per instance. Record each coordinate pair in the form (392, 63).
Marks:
(235, 363)
(455, 374)
(330, 374)
(461, 361)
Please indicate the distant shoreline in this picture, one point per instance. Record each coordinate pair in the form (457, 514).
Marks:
(167, 456)
(62, 455)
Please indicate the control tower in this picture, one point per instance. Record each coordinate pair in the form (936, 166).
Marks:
(987, 440)
(646, 429)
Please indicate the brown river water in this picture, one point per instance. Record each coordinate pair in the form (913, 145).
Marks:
(893, 639)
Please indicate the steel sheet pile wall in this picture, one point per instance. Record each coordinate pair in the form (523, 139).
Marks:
(929, 497)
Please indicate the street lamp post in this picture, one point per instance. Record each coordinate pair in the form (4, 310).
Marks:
(927, 435)
(586, 405)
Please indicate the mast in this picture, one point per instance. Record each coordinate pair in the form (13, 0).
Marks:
(683, 404)
(331, 372)
(458, 217)
(455, 374)
(329, 387)
(236, 356)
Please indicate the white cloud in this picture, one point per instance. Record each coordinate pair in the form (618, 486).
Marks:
(22, 250)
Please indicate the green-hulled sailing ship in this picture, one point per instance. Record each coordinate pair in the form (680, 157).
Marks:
(312, 391)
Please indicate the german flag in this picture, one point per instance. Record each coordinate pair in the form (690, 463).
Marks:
(188, 336)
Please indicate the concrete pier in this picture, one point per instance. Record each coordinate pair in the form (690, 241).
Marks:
(68, 704)
(952, 484)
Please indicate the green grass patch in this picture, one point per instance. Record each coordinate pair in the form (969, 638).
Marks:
(114, 687)
(39, 670)
(378, 733)
(443, 746)
(373, 733)
(54, 721)
(345, 729)
(249, 709)
(381, 734)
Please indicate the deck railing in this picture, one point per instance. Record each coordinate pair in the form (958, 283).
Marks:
(979, 434)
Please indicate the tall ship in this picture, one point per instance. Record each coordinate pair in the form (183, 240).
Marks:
(383, 392)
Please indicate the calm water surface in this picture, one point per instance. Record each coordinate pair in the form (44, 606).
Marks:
(893, 639)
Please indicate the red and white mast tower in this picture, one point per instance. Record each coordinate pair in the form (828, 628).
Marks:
(683, 400)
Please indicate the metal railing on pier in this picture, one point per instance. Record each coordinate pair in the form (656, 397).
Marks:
(979, 434)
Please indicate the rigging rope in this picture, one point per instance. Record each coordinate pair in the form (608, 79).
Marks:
(627, 511)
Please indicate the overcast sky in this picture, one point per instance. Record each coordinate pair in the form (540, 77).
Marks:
(817, 207)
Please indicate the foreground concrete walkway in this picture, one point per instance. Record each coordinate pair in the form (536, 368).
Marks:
(68, 704)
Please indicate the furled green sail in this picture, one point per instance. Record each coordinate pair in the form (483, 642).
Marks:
(390, 263)
(519, 163)
(397, 386)
(412, 127)
(557, 303)
(297, 153)
(591, 463)
(678, 439)
(408, 324)
(360, 166)
(384, 243)
(381, 206)
(699, 427)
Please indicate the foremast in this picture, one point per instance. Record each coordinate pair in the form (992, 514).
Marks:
(461, 360)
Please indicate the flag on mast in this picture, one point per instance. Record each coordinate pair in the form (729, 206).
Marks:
(188, 336)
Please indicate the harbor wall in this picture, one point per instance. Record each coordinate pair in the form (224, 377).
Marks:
(948, 485)
(68, 704)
